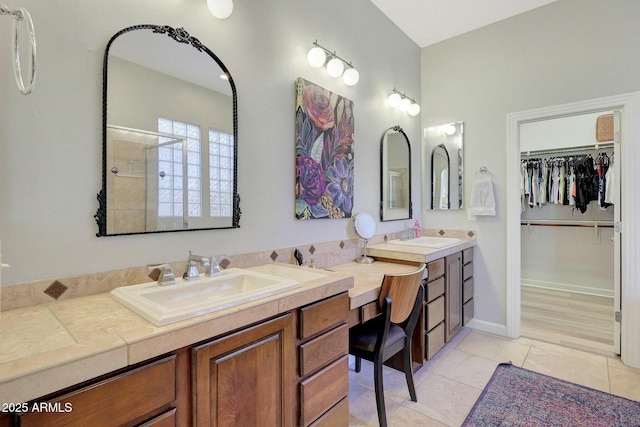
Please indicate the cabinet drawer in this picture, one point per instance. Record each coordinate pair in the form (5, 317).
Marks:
(435, 289)
(323, 349)
(335, 417)
(467, 255)
(369, 311)
(323, 390)
(113, 401)
(435, 340)
(354, 317)
(436, 268)
(467, 271)
(323, 315)
(467, 311)
(467, 290)
(435, 312)
(166, 419)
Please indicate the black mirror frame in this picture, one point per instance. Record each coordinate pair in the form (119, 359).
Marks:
(180, 35)
(396, 128)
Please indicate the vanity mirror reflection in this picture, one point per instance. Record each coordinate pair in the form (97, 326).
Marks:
(442, 153)
(169, 135)
(395, 175)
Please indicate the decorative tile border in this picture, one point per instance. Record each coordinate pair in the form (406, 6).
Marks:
(324, 254)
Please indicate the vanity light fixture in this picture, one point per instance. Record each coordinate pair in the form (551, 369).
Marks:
(403, 103)
(221, 9)
(317, 57)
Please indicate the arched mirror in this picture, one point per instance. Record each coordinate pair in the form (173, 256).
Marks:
(442, 165)
(170, 146)
(395, 175)
(440, 178)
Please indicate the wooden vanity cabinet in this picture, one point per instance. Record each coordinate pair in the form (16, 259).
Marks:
(245, 378)
(322, 363)
(453, 295)
(434, 329)
(288, 370)
(467, 285)
(151, 394)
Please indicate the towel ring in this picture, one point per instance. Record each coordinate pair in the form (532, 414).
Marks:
(19, 15)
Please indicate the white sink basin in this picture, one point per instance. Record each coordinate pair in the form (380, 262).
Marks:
(162, 305)
(427, 241)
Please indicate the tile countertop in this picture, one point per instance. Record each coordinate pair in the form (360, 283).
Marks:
(367, 279)
(416, 253)
(48, 347)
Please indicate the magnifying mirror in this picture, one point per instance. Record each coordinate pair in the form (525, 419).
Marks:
(365, 227)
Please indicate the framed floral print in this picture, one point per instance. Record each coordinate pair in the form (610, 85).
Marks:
(324, 153)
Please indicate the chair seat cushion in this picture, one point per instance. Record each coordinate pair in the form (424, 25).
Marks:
(363, 336)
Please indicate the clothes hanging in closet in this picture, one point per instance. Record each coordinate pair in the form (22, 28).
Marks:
(569, 180)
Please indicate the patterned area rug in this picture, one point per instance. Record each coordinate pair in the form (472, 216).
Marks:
(519, 397)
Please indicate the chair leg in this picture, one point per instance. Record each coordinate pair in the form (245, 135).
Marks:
(408, 373)
(358, 364)
(377, 376)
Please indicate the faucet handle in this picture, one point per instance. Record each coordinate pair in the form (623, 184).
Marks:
(214, 268)
(166, 276)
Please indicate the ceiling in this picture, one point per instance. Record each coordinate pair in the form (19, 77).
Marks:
(430, 21)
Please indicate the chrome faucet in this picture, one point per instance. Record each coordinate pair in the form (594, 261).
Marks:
(210, 265)
(166, 276)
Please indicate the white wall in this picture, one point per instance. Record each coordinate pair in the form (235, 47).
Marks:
(567, 51)
(562, 132)
(51, 148)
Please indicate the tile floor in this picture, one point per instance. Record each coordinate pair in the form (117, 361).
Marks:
(449, 384)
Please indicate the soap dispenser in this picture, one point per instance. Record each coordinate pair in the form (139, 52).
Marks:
(418, 230)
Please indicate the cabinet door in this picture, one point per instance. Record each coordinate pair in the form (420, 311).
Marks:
(122, 400)
(246, 378)
(453, 295)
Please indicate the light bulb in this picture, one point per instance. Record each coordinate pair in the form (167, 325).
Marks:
(394, 100)
(221, 9)
(414, 109)
(450, 129)
(351, 76)
(335, 67)
(404, 104)
(316, 57)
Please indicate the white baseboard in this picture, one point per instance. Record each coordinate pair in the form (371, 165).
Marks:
(491, 328)
(607, 293)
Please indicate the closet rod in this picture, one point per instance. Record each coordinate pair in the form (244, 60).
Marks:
(568, 150)
(554, 223)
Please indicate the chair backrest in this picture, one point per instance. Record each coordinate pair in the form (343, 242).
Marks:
(403, 291)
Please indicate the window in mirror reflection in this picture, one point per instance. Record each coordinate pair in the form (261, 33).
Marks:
(217, 153)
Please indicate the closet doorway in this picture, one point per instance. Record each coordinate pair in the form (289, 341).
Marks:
(568, 212)
(627, 234)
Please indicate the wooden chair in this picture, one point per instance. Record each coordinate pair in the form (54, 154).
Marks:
(379, 338)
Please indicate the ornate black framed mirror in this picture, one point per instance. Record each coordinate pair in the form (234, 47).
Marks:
(170, 135)
(395, 175)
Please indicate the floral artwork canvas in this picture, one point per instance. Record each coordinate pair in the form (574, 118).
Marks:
(324, 153)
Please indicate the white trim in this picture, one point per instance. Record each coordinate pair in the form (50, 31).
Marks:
(481, 325)
(630, 168)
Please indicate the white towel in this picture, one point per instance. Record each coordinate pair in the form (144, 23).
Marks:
(482, 200)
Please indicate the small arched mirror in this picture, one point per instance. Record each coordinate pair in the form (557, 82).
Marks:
(169, 135)
(395, 175)
(440, 178)
(442, 166)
